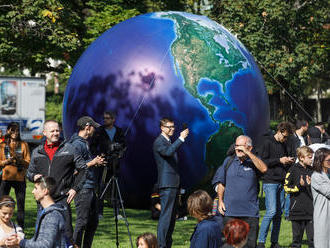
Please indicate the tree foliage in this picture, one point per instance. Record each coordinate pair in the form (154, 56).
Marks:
(290, 39)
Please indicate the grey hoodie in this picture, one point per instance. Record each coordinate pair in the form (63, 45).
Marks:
(50, 229)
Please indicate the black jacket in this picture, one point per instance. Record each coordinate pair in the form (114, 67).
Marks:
(270, 151)
(301, 199)
(100, 142)
(61, 168)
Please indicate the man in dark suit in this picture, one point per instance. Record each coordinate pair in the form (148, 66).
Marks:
(168, 178)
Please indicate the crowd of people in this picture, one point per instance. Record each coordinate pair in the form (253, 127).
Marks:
(294, 161)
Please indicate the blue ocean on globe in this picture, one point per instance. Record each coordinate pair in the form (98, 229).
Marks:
(171, 64)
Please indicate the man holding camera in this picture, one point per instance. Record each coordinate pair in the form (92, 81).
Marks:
(168, 178)
(86, 200)
(108, 140)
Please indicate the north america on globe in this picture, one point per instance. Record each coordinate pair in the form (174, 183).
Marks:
(174, 64)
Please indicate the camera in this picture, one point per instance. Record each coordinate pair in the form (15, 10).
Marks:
(114, 151)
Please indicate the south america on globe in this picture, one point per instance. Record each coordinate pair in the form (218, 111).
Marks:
(169, 64)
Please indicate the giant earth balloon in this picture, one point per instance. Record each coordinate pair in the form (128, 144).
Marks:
(173, 64)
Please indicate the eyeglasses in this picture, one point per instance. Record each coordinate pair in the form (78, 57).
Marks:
(170, 127)
(327, 160)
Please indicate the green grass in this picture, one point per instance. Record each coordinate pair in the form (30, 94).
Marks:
(139, 222)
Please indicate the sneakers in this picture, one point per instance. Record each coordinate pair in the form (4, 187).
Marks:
(182, 218)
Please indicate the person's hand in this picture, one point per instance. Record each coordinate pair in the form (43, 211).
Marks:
(97, 161)
(13, 241)
(184, 133)
(222, 207)
(243, 149)
(71, 194)
(308, 180)
(9, 160)
(302, 181)
(286, 160)
(36, 177)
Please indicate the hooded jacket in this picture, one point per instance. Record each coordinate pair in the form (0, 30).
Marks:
(82, 148)
(50, 229)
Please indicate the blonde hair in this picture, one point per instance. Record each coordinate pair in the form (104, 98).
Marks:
(304, 151)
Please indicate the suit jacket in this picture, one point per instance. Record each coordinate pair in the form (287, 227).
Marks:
(167, 162)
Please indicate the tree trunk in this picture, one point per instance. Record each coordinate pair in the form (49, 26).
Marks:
(318, 102)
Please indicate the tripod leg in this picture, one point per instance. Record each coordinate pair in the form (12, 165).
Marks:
(115, 207)
(123, 209)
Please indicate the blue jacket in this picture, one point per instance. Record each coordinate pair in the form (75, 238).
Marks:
(207, 234)
(167, 162)
(50, 229)
(82, 148)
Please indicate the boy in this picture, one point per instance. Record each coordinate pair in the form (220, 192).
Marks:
(298, 185)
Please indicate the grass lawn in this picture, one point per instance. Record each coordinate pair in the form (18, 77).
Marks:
(139, 222)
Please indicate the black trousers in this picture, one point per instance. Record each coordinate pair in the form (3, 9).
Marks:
(254, 229)
(87, 218)
(298, 228)
(20, 188)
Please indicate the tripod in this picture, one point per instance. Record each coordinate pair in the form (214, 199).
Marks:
(116, 199)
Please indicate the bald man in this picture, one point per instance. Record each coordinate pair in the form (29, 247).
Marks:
(58, 159)
(236, 183)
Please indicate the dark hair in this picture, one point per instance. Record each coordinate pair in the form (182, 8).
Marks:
(164, 120)
(199, 205)
(319, 157)
(12, 126)
(149, 238)
(285, 127)
(301, 123)
(47, 183)
(110, 113)
(235, 231)
(7, 201)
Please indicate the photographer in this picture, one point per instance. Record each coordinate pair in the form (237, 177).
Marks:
(86, 200)
(14, 158)
(109, 140)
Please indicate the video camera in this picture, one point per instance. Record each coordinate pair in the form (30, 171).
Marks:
(114, 151)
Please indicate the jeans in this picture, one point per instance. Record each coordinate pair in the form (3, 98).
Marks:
(20, 188)
(253, 233)
(274, 199)
(287, 205)
(87, 218)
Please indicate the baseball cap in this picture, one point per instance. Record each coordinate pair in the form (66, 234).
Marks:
(87, 120)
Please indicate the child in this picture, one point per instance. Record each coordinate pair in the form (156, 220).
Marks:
(298, 185)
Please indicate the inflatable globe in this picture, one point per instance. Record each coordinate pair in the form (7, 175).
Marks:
(171, 64)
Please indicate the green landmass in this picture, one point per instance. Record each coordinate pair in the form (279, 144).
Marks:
(195, 53)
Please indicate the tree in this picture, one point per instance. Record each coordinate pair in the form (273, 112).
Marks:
(289, 39)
